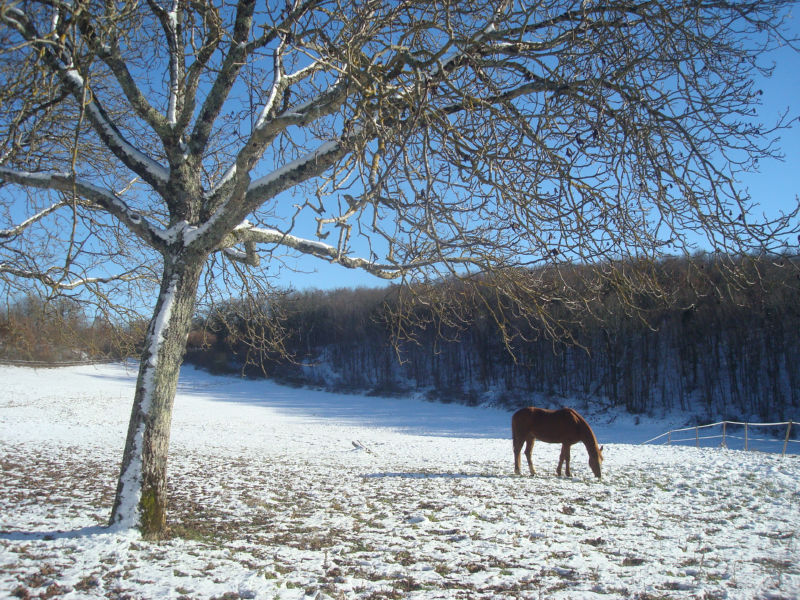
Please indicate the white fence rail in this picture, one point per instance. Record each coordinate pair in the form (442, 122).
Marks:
(50, 364)
(676, 436)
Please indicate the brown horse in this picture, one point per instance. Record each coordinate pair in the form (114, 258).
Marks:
(563, 426)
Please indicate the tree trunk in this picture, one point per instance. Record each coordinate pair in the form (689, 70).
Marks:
(141, 498)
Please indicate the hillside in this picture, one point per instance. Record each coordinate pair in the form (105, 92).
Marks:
(283, 492)
(707, 348)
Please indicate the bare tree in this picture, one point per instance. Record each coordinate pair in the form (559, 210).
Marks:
(177, 145)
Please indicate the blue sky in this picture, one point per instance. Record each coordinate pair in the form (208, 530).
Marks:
(778, 183)
(774, 187)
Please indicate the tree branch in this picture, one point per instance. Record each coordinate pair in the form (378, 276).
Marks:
(18, 229)
(111, 56)
(99, 198)
(61, 286)
(265, 132)
(141, 164)
(226, 78)
(249, 235)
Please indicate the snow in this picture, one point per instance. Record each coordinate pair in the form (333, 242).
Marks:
(226, 178)
(172, 31)
(295, 165)
(292, 240)
(273, 95)
(281, 492)
(157, 171)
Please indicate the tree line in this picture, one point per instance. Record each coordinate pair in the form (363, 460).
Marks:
(708, 347)
(59, 330)
(706, 344)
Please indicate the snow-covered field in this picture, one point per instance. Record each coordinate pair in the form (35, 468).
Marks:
(292, 493)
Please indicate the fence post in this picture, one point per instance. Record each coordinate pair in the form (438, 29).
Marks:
(697, 436)
(745, 436)
(724, 424)
(669, 437)
(786, 439)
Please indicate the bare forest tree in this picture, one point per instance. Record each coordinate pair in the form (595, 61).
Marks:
(178, 145)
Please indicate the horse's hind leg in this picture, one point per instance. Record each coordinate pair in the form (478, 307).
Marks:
(517, 450)
(528, 452)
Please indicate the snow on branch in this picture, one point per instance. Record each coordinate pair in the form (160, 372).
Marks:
(97, 196)
(62, 66)
(295, 168)
(267, 129)
(301, 169)
(64, 286)
(249, 257)
(249, 236)
(149, 169)
(17, 229)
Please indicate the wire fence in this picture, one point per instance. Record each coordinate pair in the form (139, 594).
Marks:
(736, 435)
(47, 364)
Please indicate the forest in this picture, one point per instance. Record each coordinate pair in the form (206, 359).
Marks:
(705, 345)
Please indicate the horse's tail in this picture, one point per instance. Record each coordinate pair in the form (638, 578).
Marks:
(516, 433)
(517, 430)
(517, 439)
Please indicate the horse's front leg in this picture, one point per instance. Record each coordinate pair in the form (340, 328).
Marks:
(566, 458)
(563, 458)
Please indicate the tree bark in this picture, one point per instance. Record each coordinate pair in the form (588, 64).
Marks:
(141, 498)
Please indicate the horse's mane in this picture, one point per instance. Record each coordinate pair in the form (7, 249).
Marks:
(587, 435)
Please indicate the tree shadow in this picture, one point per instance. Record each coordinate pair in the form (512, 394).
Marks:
(49, 536)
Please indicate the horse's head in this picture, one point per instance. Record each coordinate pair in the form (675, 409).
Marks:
(596, 461)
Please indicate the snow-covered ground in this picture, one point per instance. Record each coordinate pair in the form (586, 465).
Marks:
(292, 493)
